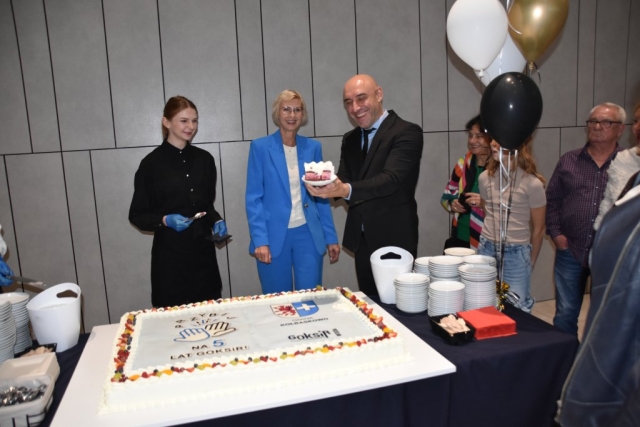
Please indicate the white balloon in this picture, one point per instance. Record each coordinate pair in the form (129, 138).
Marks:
(509, 59)
(476, 30)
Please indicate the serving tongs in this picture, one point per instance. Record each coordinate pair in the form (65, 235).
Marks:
(27, 281)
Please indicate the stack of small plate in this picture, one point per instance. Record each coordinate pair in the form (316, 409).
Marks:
(459, 251)
(421, 265)
(412, 292)
(479, 259)
(7, 331)
(19, 302)
(444, 267)
(480, 285)
(445, 297)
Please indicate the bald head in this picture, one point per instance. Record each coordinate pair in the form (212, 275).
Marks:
(362, 98)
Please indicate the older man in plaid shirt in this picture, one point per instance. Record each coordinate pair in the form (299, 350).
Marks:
(574, 194)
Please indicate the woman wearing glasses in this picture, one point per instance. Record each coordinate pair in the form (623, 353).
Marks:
(461, 195)
(290, 229)
(625, 164)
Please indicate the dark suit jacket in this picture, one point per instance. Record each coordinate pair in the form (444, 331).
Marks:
(383, 188)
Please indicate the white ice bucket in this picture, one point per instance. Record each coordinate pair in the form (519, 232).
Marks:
(388, 263)
(56, 319)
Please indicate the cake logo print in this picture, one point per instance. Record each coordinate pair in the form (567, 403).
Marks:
(205, 332)
(296, 309)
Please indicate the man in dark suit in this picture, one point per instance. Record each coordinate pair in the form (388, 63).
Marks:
(378, 173)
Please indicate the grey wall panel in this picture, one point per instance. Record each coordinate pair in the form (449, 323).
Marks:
(433, 39)
(546, 149)
(458, 147)
(13, 111)
(220, 205)
(244, 276)
(255, 113)
(6, 220)
(342, 273)
(388, 37)
(434, 172)
(628, 139)
(200, 61)
(558, 80)
(287, 54)
(41, 217)
(586, 58)
(37, 74)
(334, 61)
(133, 44)
(572, 138)
(81, 74)
(611, 51)
(632, 92)
(463, 88)
(86, 237)
(126, 251)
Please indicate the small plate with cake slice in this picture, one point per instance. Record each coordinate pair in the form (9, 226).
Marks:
(319, 174)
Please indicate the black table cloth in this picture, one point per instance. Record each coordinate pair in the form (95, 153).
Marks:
(509, 381)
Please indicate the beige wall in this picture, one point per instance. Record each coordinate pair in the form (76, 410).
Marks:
(83, 83)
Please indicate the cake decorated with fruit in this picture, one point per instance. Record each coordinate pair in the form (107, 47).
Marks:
(319, 171)
(166, 356)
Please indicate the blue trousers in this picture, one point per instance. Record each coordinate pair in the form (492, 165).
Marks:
(571, 281)
(298, 260)
(516, 270)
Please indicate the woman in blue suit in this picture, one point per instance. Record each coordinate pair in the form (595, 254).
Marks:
(290, 229)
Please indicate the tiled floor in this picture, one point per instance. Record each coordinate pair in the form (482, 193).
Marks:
(546, 309)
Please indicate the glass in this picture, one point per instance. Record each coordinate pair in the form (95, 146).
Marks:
(472, 135)
(605, 124)
(292, 110)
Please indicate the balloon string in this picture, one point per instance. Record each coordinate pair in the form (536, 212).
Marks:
(514, 30)
(507, 182)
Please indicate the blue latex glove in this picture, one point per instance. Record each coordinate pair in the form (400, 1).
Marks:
(5, 272)
(220, 228)
(178, 222)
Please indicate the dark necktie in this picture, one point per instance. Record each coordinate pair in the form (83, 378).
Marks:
(365, 141)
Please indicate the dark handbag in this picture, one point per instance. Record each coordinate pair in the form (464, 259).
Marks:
(454, 242)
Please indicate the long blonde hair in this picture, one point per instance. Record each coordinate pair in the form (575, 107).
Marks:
(526, 162)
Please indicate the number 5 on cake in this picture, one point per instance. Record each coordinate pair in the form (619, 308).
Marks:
(219, 328)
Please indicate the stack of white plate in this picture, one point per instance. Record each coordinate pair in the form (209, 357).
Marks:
(479, 259)
(480, 285)
(444, 268)
(445, 297)
(7, 331)
(412, 292)
(459, 251)
(19, 302)
(421, 265)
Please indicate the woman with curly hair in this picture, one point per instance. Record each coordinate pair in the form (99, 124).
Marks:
(461, 196)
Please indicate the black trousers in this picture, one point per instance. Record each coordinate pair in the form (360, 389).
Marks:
(366, 283)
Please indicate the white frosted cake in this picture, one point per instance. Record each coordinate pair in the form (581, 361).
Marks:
(214, 348)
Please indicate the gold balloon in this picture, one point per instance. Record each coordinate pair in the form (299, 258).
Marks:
(535, 24)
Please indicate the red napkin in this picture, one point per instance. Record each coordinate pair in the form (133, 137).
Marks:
(489, 322)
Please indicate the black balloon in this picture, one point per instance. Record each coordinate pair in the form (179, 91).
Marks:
(511, 108)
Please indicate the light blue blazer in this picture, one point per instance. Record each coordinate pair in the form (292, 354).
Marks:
(268, 195)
